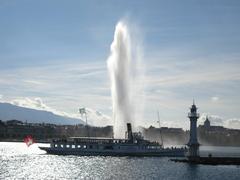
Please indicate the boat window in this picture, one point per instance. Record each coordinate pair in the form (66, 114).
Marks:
(61, 146)
(55, 145)
(73, 146)
(79, 146)
(68, 146)
(108, 147)
(90, 147)
(84, 146)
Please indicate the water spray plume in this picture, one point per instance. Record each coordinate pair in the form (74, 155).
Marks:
(121, 71)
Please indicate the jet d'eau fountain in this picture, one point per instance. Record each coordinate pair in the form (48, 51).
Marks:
(122, 67)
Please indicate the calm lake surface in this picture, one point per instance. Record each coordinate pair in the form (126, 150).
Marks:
(17, 161)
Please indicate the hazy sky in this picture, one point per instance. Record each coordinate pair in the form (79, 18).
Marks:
(56, 51)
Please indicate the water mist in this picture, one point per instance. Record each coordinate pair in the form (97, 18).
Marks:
(122, 70)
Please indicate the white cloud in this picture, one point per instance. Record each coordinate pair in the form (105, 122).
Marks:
(97, 118)
(215, 120)
(170, 85)
(194, 76)
(215, 98)
(64, 86)
(94, 117)
(35, 103)
(233, 123)
(33, 82)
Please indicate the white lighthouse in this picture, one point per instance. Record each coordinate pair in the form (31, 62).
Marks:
(193, 141)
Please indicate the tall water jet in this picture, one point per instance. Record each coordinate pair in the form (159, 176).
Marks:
(121, 71)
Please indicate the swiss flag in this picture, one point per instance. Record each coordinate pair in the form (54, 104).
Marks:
(28, 140)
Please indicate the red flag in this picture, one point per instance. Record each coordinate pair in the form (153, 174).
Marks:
(28, 140)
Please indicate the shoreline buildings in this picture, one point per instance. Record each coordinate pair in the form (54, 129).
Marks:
(14, 130)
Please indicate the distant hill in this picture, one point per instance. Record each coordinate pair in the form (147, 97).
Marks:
(9, 111)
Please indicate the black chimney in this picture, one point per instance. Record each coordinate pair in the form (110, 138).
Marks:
(129, 132)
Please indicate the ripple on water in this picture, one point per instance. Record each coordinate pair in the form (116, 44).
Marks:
(20, 162)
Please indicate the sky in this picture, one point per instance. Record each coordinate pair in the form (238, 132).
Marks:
(56, 52)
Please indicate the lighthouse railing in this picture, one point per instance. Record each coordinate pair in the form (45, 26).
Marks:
(193, 115)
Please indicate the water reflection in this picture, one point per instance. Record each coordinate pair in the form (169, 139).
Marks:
(20, 162)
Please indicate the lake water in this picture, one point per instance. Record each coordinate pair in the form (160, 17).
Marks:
(17, 161)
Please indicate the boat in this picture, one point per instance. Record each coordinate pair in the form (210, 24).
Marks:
(133, 145)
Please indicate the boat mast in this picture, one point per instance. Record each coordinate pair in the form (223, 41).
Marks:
(160, 128)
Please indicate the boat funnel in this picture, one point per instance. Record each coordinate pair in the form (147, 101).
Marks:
(129, 132)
